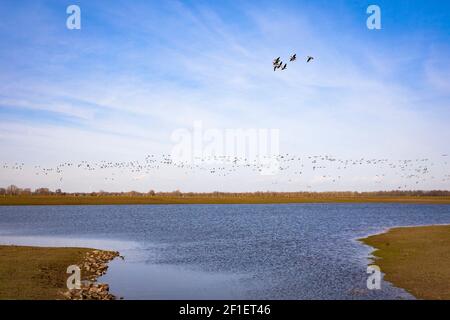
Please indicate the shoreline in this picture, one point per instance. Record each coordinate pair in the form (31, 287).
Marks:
(40, 273)
(95, 264)
(167, 200)
(414, 258)
(402, 252)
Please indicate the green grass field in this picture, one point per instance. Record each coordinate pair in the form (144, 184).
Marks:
(222, 199)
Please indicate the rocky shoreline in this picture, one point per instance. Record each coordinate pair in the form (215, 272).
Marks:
(94, 265)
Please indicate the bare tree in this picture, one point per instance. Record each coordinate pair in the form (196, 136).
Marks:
(42, 191)
(12, 190)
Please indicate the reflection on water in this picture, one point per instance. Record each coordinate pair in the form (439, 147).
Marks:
(147, 281)
(292, 251)
(46, 241)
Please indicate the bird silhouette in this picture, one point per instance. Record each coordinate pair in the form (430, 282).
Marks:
(278, 66)
(276, 61)
(408, 172)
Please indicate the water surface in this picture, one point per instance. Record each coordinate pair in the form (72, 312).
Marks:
(279, 251)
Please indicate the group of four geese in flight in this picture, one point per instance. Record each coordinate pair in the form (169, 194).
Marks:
(278, 64)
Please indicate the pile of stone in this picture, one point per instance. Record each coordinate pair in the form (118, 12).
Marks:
(90, 291)
(94, 265)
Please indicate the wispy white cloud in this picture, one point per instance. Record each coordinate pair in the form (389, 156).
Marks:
(136, 73)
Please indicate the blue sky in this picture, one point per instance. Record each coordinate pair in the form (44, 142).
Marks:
(139, 70)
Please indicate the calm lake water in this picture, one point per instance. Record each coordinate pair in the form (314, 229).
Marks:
(291, 251)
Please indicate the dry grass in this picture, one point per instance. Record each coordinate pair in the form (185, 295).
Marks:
(36, 272)
(244, 199)
(416, 259)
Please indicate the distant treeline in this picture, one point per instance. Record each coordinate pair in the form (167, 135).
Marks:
(13, 190)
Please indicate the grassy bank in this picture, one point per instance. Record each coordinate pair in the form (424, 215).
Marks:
(223, 199)
(416, 259)
(38, 272)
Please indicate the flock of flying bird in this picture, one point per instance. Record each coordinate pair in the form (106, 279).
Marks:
(412, 171)
(278, 64)
(291, 168)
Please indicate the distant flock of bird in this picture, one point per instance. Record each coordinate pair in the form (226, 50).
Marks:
(291, 167)
(414, 171)
(278, 64)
